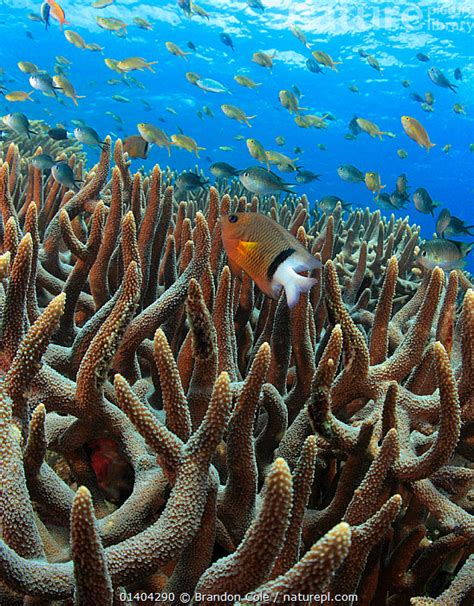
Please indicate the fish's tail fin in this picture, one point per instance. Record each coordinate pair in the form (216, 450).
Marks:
(453, 87)
(466, 248)
(28, 96)
(294, 283)
(247, 118)
(149, 64)
(197, 150)
(429, 146)
(293, 289)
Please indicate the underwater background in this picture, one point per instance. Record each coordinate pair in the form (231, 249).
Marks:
(392, 32)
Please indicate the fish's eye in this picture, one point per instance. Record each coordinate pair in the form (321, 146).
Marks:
(233, 218)
(424, 253)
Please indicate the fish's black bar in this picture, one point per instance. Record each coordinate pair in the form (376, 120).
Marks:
(278, 260)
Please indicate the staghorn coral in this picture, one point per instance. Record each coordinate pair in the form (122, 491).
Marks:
(166, 428)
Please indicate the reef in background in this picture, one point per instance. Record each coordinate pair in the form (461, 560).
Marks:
(166, 428)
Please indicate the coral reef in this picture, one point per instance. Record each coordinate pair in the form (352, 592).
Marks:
(166, 429)
(28, 147)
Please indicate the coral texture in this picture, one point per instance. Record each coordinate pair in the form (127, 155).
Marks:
(166, 429)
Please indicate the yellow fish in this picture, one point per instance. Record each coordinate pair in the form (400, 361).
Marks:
(247, 82)
(325, 59)
(142, 23)
(370, 128)
(113, 65)
(289, 101)
(192, 77)
(154, 135)
(198, 10)
(283, 162)
(28, 68)
(269, 254)
(75, 39)
(102, 3)
(94, 47)
(372, 180)
(257, 151)
(135, 63)
(111, 24)
(263, 59)
(187, 143)
(67, 88)
(63, 60)
(175, 50)
(234, 112)
(298, 33)
(19, 95)
(311, 120)
(417, 132)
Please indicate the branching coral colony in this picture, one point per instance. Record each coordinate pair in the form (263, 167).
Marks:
(165, 428)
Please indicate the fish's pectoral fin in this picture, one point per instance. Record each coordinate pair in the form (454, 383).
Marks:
(245, 248)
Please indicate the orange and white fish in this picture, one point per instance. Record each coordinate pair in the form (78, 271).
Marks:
(268, 253)
(57, 12)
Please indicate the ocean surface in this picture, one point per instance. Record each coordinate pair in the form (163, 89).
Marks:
(392, 32)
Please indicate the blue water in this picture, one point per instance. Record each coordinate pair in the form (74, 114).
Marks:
(394, 32)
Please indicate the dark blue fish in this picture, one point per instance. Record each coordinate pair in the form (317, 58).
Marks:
(458, 73)
(227, 40)
(437, 76)
(458, 227)
(306, 176)
(29, 35)
(313, 66)
(363, 53)
(186, 6)
(422, 57)
(354, 127)
(256, 5)
(58, 134)
(416, 97)
(398, 200)
(191, 45)
(44, 11)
